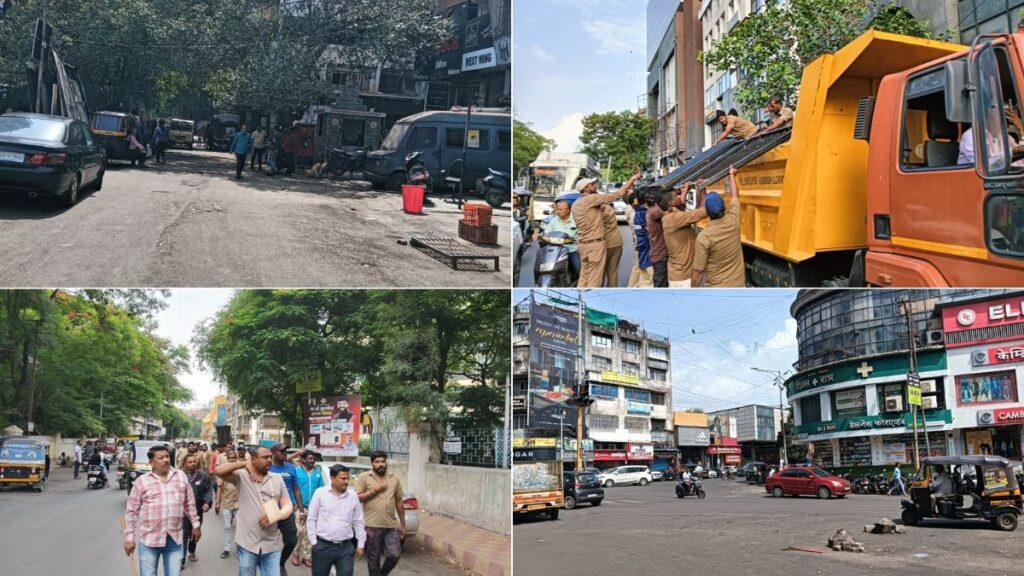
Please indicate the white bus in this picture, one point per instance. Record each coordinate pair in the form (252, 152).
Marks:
(552, 174)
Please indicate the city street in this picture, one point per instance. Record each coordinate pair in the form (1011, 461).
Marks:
(739, 529)
(69, 529)
(190, 223)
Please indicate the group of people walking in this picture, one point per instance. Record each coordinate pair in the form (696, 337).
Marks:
(143, 142)
(278, 146)
(275, 508)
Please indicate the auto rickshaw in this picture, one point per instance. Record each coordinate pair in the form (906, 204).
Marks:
(987, 481)
(138, 460)
(110, 129)
(23, 462)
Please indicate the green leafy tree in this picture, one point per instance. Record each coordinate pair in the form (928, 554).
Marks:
(771, 48)
(623, 137)
(528, 144)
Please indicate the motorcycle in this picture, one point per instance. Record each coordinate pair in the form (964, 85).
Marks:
(416, 171)
(494, 188)
(691, 487)
(340, 162)
(97, 476)
(551, 268)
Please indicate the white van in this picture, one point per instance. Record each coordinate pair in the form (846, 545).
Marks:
(625, 475)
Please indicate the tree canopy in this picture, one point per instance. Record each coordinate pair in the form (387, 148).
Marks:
(442, 356)
(770, 48)
(623, 137)
(193, 57)
(98, 365)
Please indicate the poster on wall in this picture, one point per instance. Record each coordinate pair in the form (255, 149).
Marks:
(332, 424)
(851, 403)
(894, 452)
(985, 388)
(979, 442)
(553, 348)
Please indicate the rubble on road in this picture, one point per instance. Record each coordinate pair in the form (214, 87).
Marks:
(885, 526)
(841, 541)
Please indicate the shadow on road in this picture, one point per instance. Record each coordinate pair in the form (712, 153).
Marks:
(14, 206)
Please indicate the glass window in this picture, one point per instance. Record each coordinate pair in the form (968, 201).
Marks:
(929, 140)
(604, 391)
(604, 421)
(657, 352)
(810, 409)
(638, 424)
(601, 341)
(32, 128)
(478, 138)
(657, 398)
(1004, 215)
(986, 388)
(631, 346)
(504, 140)
(631, 368)
(521, 328)
(426, 138)
(638, 395)
(601, 363)
(657, 375)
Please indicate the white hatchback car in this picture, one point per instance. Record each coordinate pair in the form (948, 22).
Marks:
(626, 475)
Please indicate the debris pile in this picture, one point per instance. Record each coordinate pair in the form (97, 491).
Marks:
(841, 541)
(885, 526)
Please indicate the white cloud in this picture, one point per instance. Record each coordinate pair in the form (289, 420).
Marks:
(616, 37)
(737, 349)
(541, 54)
(785, 338)
(566, 133)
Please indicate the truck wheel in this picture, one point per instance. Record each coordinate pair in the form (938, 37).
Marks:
(1007, 522)
(910, 517)
(569, 503)
(553, 514)
(824, 493)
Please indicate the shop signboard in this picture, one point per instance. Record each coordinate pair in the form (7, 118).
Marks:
(997, 355)
(637, 407)
(1001, 416)
(880, 422)
(332, 424)
(479, 59)
(640, 451)
(619, 378)
(913, 389)
(609, 456)
(692, 436)
(988, 314)
(860, 370)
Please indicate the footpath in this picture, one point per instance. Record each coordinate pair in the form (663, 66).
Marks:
(480, 551)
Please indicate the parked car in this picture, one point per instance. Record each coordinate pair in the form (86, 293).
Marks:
(620, 209)
(409, 501)
(49, 155)
(746, 467)
(580, 487)
(625, 475)
(656, 476)
(797, 480)
(440, 136)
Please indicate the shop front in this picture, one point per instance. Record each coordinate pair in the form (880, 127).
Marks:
(879, 440)
(604, 459)
(999, 433)
(725, 452)
(693, 442)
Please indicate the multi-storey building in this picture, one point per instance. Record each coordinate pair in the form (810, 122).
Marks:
(849, 396)
(754, 427)
(628, 372)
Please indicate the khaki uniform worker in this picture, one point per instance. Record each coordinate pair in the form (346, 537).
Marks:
(612, 246)
(734, 126)
(718, 259)
(680, 239)
(588, 212)
(780, 115)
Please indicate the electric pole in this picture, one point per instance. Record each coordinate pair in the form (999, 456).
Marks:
(912, 369)
(581, 376)
(781, 385)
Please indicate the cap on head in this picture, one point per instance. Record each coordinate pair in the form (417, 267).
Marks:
(714, 205)
(279, 446)
(583, 183)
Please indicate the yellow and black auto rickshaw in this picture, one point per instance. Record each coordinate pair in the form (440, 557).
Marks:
(137, 461)
(23, 462)
(110, 129)
(983, 488)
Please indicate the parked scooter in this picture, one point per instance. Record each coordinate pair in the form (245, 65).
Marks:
(97, 477)
(416, 171)
(494, 188)
(340, 162)
(551, 267)
(691, 487)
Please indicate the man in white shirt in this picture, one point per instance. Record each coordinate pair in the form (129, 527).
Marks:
(942, 484)
(334, 518)
(78, 457)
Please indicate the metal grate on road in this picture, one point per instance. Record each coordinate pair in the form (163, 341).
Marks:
(454, 254)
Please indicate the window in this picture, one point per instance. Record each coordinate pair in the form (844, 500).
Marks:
(600, 341)
(638, 395)
(631, 368)
(658, 398)
(657, 375)
(890, 398)
(352, 131)
(638, 424)
(335, 78)
(425, 138)
(479, 139)
(504, 140)
(521, 328)
(75, 136)
(601, 363)
(657, 352)
(810, 409)
(630, 346)
(604, 422)
(604, 391)
(986, 388)
(929, 140)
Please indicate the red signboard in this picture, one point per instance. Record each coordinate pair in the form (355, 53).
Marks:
(1005, 354)
(724, 450)
(1008, 416)
(609, 456)
(732, 459)
(1001, 312)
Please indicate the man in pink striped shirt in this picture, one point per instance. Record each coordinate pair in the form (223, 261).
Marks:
(156, 506)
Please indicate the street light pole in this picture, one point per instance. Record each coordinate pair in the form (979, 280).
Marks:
(781, 385)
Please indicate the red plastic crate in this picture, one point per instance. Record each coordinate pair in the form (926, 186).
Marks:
(478, 234)
(477, 214)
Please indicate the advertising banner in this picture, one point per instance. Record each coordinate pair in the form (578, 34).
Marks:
(550, 412)
(332, 424)
(692, 436)
(553, 349)
(222, 415)
(986, 388)
(978, 442)
(640, 451)
(851, 403)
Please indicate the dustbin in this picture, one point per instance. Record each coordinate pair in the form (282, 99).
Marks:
(412, 198)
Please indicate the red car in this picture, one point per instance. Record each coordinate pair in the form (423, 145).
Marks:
(797, 480)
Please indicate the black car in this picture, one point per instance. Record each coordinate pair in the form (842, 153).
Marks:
(582, 487)
(48, 155)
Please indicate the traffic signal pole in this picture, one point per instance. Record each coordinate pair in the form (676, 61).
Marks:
(580, 380)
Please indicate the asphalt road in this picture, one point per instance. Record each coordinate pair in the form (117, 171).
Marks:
(526, 280)
(190, 223)
(738, 529)
(68, 529)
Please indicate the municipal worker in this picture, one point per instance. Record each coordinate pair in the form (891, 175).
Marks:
(680, 238)
(588, 212)
(780, 115)
(718, 258)
(734, 126)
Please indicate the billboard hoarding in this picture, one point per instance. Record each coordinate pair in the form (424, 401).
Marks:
(332, 424)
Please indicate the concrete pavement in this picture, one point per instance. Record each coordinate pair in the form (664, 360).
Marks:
(68, 529)
(739, 529)
(190, 223)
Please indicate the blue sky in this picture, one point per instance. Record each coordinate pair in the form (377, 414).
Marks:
(716, 336)
(576, 57)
